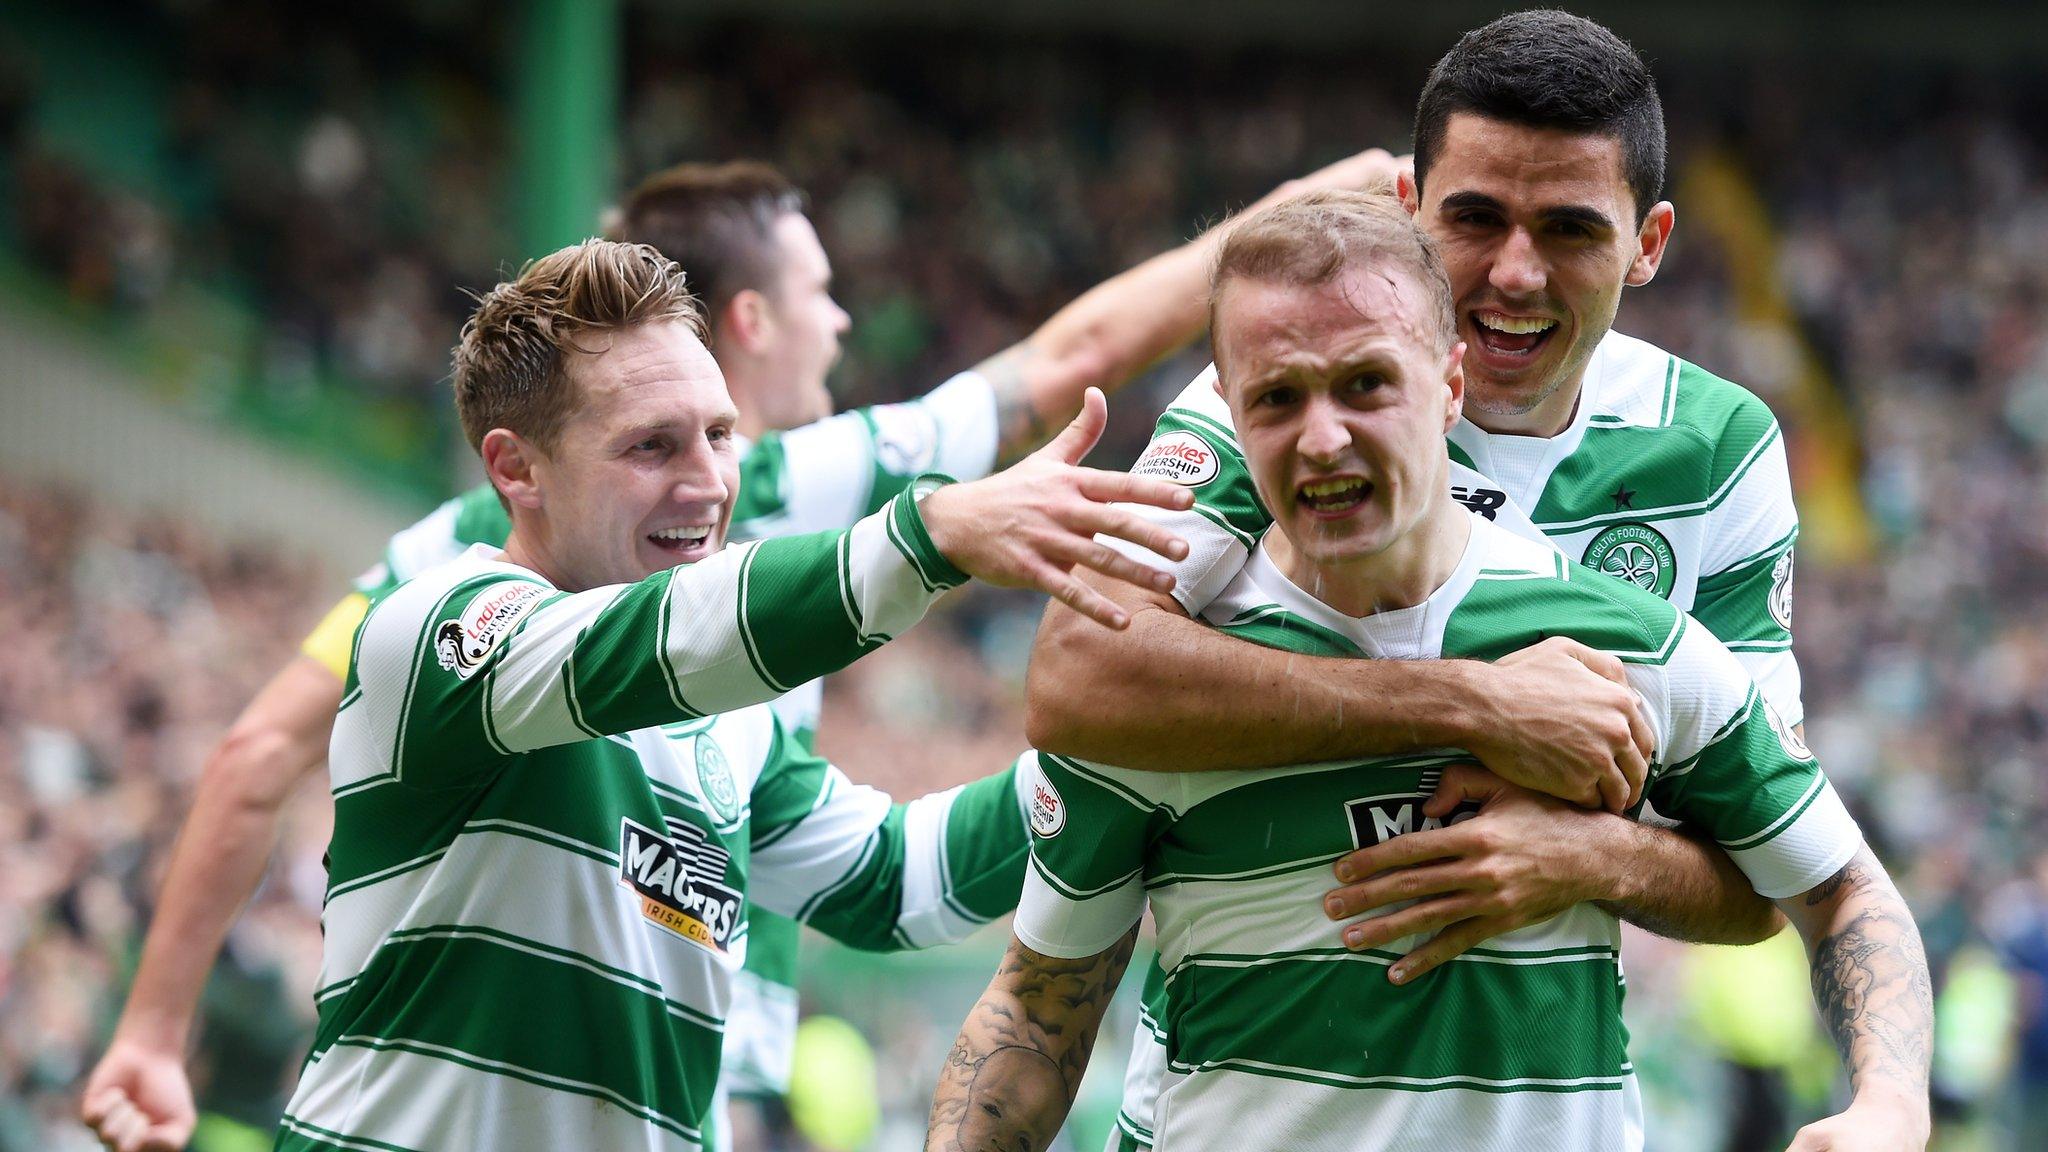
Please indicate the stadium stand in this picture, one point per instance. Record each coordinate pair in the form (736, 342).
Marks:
(324, 213)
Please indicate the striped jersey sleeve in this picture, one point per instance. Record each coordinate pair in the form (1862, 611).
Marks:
(830, 473)
(1744, 595)
(876, 875)
(1731, 765)
(1089, 833)
(488, 661)
(1194, 445)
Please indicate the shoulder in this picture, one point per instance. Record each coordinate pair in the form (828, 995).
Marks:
(1731, 418)
(456, 613)
(1528, 592)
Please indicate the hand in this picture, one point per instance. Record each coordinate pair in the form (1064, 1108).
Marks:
(1031, 524)
(1563, 721)
(1524, 858)
(139, 1100)
(1867, 1127)
(1373, 170)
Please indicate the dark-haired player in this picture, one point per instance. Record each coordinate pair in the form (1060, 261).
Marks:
(1539, 162)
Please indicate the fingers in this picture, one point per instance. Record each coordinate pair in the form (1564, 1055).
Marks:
(123, 1126)
(98, 1103)
(1068, 551)
(1101, 520)
(1635, 762)
(1063, 587)
(1392, 888)
(1600, 663)
(1452, 942)
(1428, 916)
(1404, 851)
(1462, 782)
(1078, 438)
(1615, 790)
(1124, 488)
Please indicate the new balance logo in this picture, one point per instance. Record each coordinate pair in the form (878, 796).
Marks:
(1485, 501)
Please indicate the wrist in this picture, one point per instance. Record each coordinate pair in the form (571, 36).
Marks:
(1459, 715)
(923, 524)
(152, 1030)
(1618, 867)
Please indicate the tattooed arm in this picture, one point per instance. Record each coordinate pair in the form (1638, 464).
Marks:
(1013, 1072)
(1871, 985)
(1118, 328)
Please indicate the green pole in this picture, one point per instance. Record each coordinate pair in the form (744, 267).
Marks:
(565, 100)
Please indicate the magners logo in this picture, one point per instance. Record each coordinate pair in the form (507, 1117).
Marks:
(680, 880)
(1378, 819)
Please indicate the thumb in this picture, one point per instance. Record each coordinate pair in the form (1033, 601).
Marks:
(1077, 439)
(1461, 782)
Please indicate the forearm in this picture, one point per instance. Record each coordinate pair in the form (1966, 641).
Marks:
(1678, 884)
(1870, 981)
(1013, 1071)
(1174, 695)
(224, 846)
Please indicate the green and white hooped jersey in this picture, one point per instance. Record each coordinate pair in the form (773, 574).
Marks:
(1666, 473)
(553, 813)
(817, 478)
(1271, 1027)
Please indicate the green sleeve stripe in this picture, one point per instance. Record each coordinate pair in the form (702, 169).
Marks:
(1670, 406)
(867, 853)
(422, 647)
(1073, 893)
(663, 651)
(1675, 511)
(1731, 726)
(1770, 831)
(1215, 427)
(314, 1138)
(846, 600)
(746, 625)
(1757, 645)
(908, 533)
(1768, 555)
(1110, 784)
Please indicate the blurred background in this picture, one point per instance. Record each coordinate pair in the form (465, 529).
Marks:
(235, 242)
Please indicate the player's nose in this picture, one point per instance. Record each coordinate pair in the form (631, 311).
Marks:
(1518, 268)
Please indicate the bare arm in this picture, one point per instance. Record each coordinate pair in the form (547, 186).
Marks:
(1526, 857)
(1875, 996)
(1172, 695)
(277, 741)
(1120, 327)
(1013, 1072)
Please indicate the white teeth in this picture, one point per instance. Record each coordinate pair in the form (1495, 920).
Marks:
(693, 533)
(1329, 488)
(1515, 325)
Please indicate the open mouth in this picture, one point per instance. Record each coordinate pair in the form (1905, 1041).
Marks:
(1333, 497)
(681, 541)
(1512, 338)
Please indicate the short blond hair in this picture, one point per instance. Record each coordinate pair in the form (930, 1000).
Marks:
(510, 363)
(1311, 239)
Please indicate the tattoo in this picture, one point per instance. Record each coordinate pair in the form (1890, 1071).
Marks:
(1870, 978)
(1020, 426)
(1012, 1074)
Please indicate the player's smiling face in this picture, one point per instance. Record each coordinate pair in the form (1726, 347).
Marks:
(644, 473)
(1538, 232)
(1341, 394)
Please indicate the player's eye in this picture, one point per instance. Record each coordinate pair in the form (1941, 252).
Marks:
(1364, 382)
(1277, 397)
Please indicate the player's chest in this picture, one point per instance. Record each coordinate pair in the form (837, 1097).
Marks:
(1633, 504)
(1281, 819)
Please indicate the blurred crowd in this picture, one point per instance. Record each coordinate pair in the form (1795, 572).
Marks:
(966, 188)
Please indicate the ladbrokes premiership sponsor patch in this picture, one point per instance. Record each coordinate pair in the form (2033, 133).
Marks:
(1048, 811)
(1181, 457)
(462, 645)
(680, 880)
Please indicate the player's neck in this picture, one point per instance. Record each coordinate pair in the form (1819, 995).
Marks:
(527, 547)
(1401, 575)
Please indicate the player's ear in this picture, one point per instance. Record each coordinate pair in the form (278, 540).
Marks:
(510, 460)
(748, 320)
(1406, 188)
(1454, 384)
(1651, 240)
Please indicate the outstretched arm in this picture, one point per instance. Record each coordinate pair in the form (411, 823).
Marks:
(1871, 984)
(1174, 695)
(139, 1091)
(1013, 1072)
(1115, 330)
